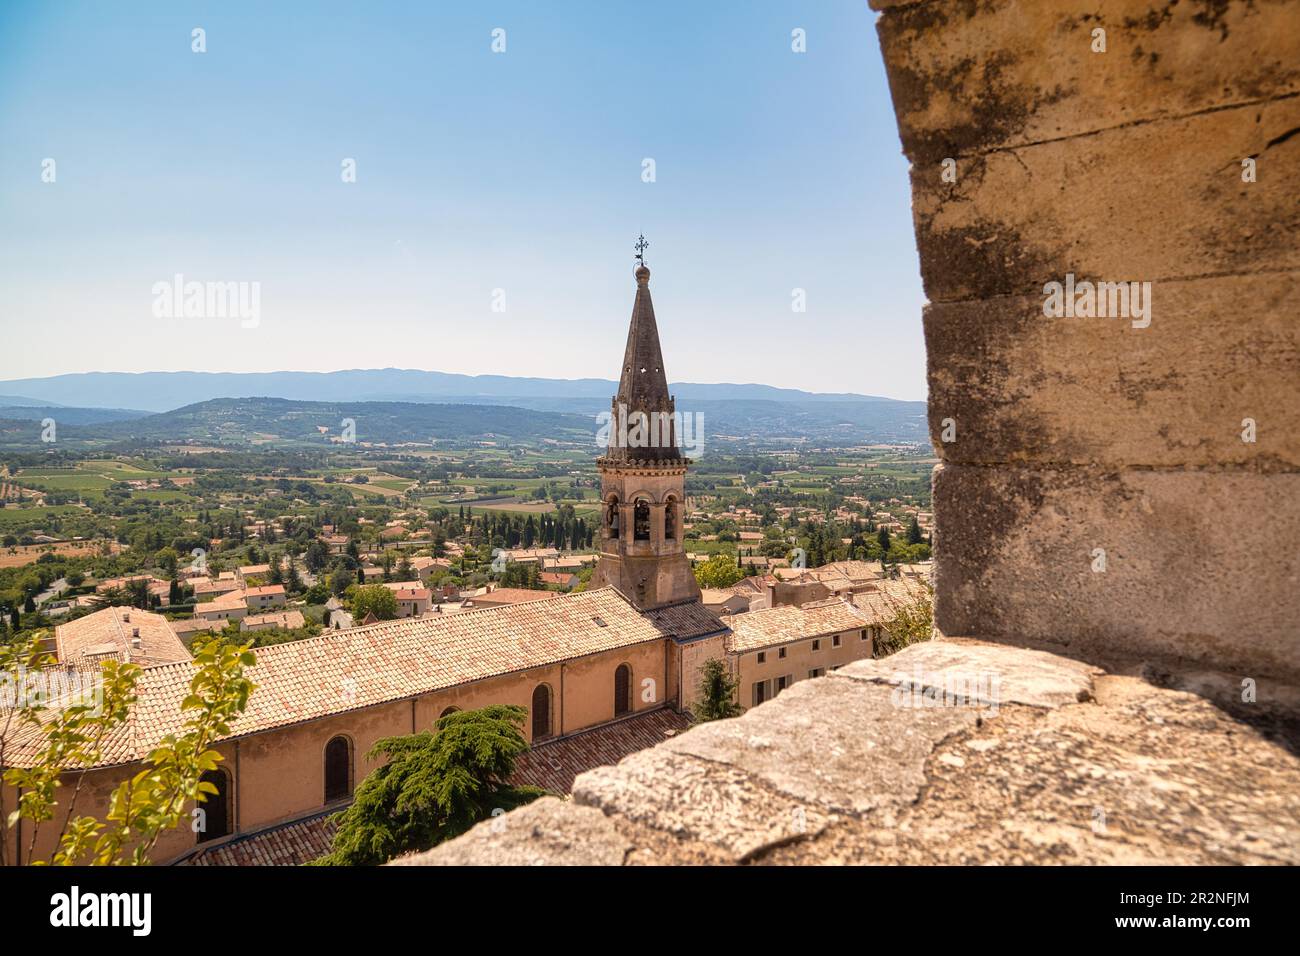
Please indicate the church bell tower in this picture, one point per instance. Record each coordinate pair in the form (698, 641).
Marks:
(643, 473)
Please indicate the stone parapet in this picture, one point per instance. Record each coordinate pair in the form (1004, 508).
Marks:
(948, 752)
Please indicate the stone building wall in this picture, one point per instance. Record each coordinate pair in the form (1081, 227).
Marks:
(1068, 442)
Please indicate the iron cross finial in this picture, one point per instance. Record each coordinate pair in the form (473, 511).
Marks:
(640, 247)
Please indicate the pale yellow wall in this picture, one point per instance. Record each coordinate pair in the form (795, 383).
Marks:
(800, 659)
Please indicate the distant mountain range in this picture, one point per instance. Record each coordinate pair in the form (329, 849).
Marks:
(163, 391)
(66, 415)
(413, 406)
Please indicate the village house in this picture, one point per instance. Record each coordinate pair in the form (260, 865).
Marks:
(337, 543)
(568, 562)
(769, 650)
(425, 567)
(224, 607)
(413, 599)
(206, 589)
(264, 597)
(285, 620)
(531, 555)
(724, 601)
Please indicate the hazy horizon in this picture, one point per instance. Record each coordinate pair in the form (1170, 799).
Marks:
(161, 391)
(436, 371)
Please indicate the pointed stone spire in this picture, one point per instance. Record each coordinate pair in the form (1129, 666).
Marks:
(643, 395)
(643, 474)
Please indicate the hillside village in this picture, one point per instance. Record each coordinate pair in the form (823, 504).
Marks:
(385, 591)
(88, 533)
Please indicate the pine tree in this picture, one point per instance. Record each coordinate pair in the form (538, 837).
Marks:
(433, 786)
(914, 535)
(717, 692)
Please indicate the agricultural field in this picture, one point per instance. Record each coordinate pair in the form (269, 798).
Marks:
(19, 555)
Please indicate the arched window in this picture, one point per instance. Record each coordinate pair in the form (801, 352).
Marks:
(541, 712)
(338, 769)
(611, 517)
(622, 690)
(670, 518)
(641, 514)
(215, 806)
(449, 710)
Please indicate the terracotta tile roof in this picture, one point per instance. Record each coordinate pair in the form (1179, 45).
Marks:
(112, 632)
(554, 764)
(570, 562)
(265, 589)
(686, 621)
(228, 600)
(340, 671)
(883, 603)
(511, 596)
(411, 593)
(780, 625)
(208, 586)
(289, 844)
(715, 596)
(194, 626)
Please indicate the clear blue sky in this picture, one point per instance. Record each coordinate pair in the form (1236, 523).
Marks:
(476, 171)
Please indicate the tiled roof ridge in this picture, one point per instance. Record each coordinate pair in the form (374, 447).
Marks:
(402, 623)
(131, 745)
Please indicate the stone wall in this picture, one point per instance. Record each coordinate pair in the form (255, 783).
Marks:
(1049, 760)
(1074, 444)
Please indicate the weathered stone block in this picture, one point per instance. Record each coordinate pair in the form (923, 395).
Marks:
(968, 77)
(1018, 386)
(1113, 206)
(1198, 565)
(1034, 678)
(697, 800)
(842, 745)
(546, 832)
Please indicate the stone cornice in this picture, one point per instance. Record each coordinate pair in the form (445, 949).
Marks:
(648, 467)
